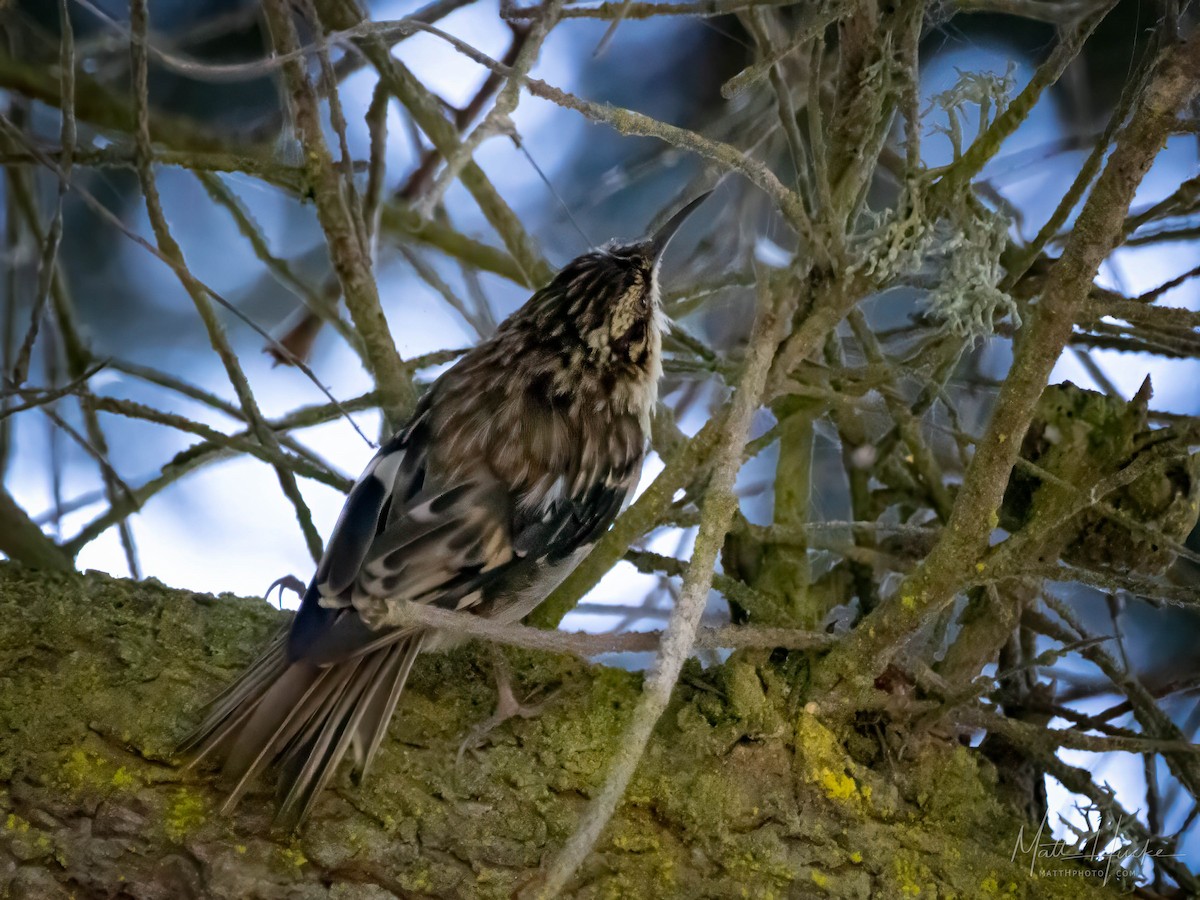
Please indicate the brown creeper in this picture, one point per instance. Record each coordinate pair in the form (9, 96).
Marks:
(513, 463)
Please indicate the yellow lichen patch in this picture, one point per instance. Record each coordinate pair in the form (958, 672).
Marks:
(23, 840)
(825, 763)
(75, 768)
(991, 888)
(82, 770)
(837, 785)
(185, 813)
(641, 841)
(293, 856)
(909, 875)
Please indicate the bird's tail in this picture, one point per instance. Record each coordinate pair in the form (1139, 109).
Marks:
(300, 719)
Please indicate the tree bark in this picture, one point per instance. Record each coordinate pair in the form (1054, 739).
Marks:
(741, 793)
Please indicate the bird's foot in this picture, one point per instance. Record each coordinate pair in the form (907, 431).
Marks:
(507, 707)
(287, 583)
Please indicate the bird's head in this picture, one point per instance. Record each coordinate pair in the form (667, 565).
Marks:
(608, 299)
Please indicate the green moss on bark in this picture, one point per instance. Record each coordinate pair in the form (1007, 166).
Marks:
(741, 793)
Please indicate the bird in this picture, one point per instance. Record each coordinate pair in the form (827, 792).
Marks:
(513, 463)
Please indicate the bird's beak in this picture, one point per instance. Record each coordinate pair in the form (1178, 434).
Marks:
(662, 237)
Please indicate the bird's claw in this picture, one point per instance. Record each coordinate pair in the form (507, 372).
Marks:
(507, 707)
(286, 583)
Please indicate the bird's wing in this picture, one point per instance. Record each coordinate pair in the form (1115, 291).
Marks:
(397, 470)
(456, 545)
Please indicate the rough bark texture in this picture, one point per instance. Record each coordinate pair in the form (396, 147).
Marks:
(741, 794)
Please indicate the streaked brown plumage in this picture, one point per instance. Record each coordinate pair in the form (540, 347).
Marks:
(514, 462)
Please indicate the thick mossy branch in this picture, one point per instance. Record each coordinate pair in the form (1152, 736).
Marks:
(740, 793)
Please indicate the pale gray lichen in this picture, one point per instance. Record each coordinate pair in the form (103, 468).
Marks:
(968, 243)
(988, 91)
(958, 243)
(961, 251)
(896, 244)
(970, 237)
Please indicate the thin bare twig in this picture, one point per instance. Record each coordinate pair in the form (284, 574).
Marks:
(53, 238)
(404, 614)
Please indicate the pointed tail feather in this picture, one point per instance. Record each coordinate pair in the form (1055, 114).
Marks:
(230, 707)
(301, 719)
(375, 721)
(311, 761)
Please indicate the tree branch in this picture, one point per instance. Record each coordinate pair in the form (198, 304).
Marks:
(934, 584)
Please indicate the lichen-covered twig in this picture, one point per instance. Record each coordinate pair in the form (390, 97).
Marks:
(279, 268)
(950, 564)
(426, 112)
(1155, 722)
(629, 122)
(580, 643)
(246, 442)
(1087, 172)
(180, 270)
(1048, 73)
